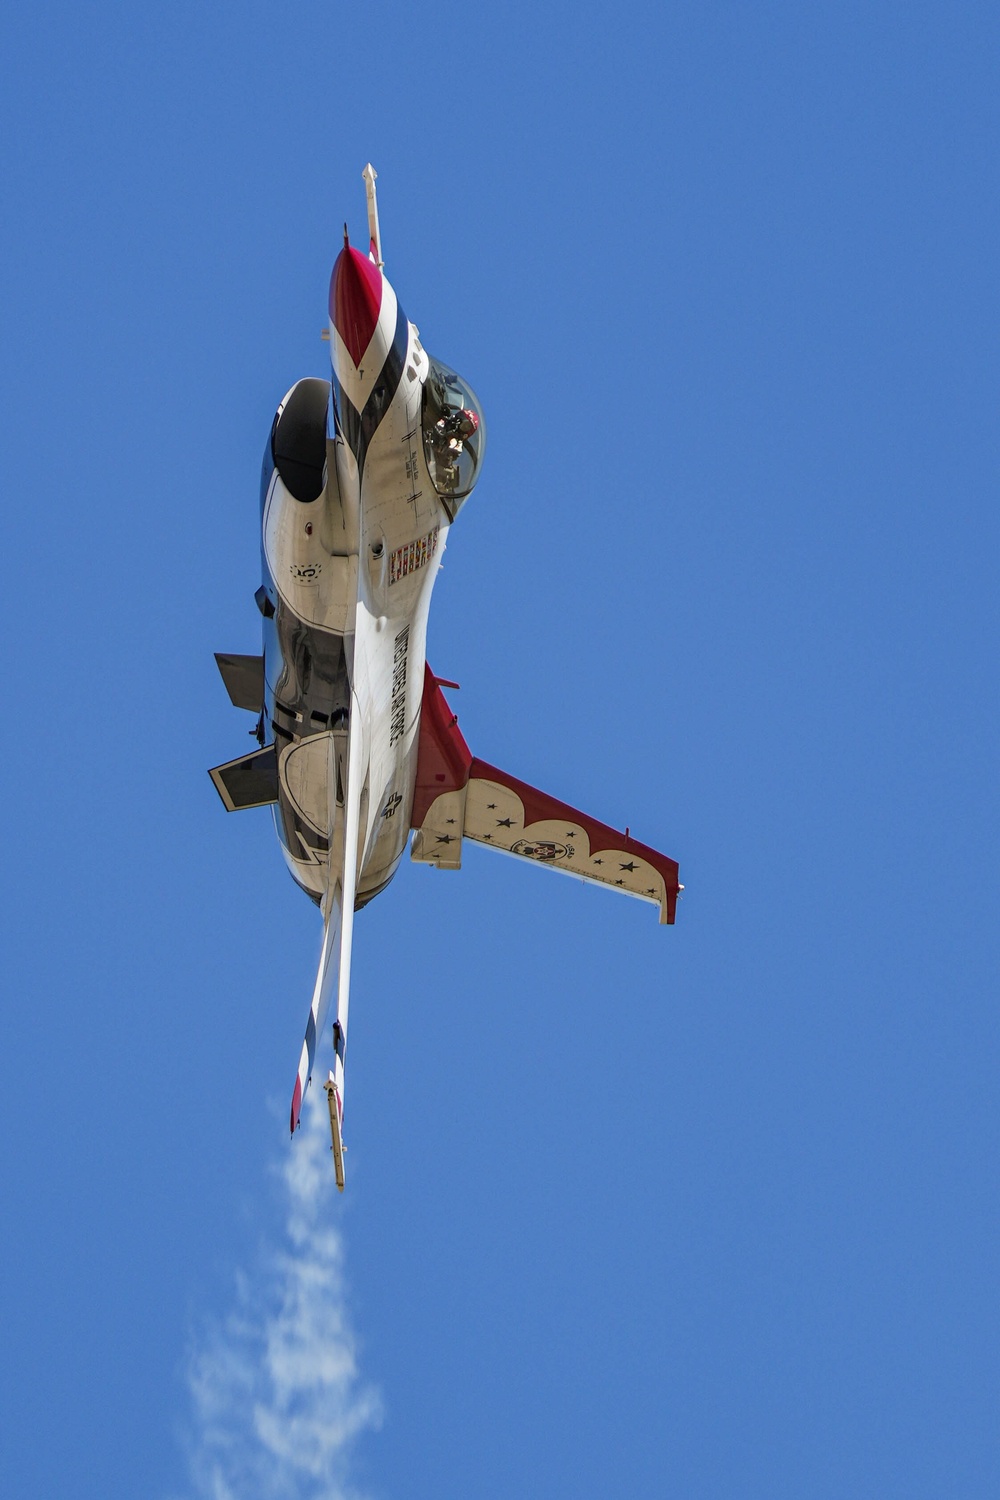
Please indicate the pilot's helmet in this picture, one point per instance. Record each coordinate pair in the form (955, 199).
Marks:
(468, 422)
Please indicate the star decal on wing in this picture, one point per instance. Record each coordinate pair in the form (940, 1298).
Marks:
(460, 799)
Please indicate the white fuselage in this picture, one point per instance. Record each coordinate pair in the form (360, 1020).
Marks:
(353, 571)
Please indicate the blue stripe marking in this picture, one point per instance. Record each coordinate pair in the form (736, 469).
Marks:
(311, 1040)
(358, 428)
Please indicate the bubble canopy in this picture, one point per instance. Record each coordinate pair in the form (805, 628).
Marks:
(454, 434)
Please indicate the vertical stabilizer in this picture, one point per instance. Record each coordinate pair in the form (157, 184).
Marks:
(333, 977)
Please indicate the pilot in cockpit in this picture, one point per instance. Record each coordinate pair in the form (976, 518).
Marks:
(452, 430)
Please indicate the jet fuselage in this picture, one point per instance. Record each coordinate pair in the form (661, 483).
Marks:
(363, 476)
(360, 483)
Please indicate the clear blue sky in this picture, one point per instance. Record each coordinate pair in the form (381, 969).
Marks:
(707, 1212)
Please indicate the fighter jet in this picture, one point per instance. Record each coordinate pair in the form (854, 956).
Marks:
(363, 477)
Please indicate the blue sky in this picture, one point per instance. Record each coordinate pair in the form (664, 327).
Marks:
(704, 1212)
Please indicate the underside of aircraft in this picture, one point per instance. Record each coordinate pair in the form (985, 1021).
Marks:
(363, 477)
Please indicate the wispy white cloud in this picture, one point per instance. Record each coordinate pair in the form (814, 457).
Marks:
(277, 1396)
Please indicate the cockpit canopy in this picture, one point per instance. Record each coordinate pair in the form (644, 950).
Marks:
(454, 435)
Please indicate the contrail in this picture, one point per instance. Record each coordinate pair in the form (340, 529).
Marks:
(275, 1387)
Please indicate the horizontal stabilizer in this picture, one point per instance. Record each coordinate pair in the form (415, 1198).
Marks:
(244, 679)
(249, 781)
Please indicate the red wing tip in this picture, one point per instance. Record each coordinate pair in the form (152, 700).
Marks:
(296, 1105)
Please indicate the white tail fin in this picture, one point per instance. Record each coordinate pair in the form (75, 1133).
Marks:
(333, 977)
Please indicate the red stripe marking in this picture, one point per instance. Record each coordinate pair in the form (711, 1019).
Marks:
(296, 1104)
(355, 299)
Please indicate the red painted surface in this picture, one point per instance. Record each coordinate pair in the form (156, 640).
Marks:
(355, 299)
(445, 764)
(443, 757)
(539, 805)
(296, 1104)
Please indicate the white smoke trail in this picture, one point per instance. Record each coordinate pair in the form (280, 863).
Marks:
(275, 1387)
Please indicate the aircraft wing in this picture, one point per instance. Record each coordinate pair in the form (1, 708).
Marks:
(460, 797)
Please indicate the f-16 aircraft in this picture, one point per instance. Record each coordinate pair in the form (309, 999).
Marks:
(363, 477)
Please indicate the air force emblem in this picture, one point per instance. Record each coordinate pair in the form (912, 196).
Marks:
(542, 849)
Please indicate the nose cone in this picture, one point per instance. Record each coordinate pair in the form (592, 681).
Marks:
(355, 300)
